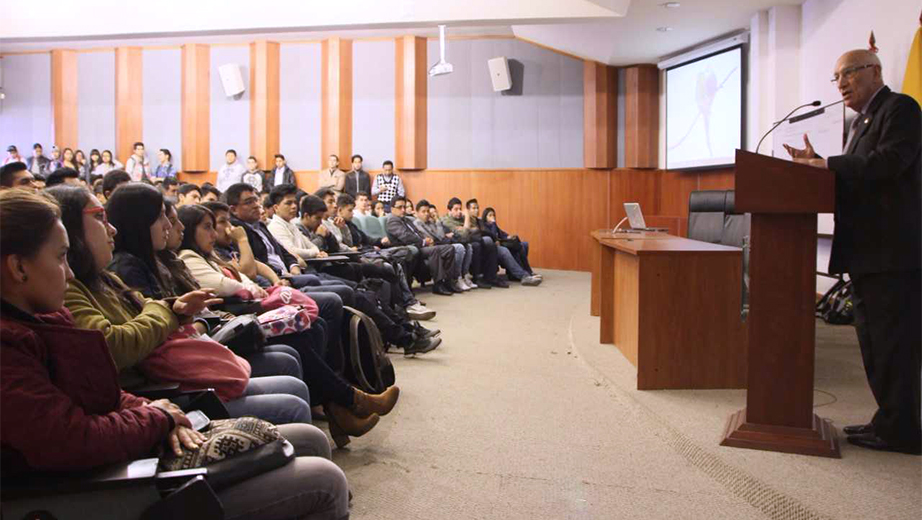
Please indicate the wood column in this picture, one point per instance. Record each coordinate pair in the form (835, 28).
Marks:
(641, 117)
(600, 115)
(64, 97)
(196, 107)
(264, 102)
(411, 120)
(129, 122)
(336, 100)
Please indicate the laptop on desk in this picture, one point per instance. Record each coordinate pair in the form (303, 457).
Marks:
(635, 217)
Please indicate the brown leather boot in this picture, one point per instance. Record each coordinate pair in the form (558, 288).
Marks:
(344, 423)
(381, 404)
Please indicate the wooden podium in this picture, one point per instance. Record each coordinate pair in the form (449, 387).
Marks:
(783, 198)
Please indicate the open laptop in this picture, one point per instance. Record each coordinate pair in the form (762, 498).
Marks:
(635, 217)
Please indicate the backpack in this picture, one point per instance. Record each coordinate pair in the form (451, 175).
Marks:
(367, 366)
(836, 306)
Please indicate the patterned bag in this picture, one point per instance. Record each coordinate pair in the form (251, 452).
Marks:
(233, 451)
(288, 319)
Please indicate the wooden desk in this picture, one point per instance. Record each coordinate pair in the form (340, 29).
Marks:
(601, 235)
(672, 306)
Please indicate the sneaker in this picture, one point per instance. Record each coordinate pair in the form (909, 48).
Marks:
(531, 281)
(423, 332)
(421, 346)
(418, 312)
(442, 289)
(499, 283)
(471, 285)
(464, 285)
(458, 287)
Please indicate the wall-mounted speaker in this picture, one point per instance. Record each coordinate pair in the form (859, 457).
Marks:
(232, 79)
(499, 74)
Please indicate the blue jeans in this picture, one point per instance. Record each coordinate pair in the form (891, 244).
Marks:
(459, 261)
(277, 399)
(275, 360)
(508, 262)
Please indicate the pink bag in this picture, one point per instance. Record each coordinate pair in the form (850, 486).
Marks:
(288, 319)
(197, 363)
(281, 295)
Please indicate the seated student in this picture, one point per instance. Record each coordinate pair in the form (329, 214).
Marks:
(63, 176)
(484, 263)
(411, 210)
(441, 258)
(517, 248)
(108, 164)
(334, 224)
(210, 193)
(379, 209)
(169, 186)
(134, 326)
(112, 180)
(282, 226)
(266, 209)
(363, 203)
(351, 411)
(434, 229)
(39, 182)
(513, 270)
(16, 175)
(48, 388)
(188, 194)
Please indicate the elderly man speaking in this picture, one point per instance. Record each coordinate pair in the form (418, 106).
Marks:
(878, 242)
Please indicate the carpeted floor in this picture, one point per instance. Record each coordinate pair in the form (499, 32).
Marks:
(521, 413)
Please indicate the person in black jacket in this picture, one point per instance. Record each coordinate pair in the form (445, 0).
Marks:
(878, 242)
(357, 180)
(441, 258)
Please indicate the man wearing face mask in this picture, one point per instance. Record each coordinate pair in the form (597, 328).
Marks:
(878, 242)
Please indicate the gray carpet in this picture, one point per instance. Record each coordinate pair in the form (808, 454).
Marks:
(521, 413)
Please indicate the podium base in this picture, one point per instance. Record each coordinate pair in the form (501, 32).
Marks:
(820, 441)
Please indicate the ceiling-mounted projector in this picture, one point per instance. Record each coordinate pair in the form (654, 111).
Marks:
(442, 67)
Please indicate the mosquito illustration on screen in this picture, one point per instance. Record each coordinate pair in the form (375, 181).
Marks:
(706, 89)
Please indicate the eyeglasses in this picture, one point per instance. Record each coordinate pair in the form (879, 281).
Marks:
(398, 207)
(99, 213)
(849, 72)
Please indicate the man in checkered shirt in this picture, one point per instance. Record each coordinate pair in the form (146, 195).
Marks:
(388, 185)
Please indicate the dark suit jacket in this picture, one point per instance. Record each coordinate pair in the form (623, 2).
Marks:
(402, 232)
(879, 190)
(259, 247)
(269, 178)
(357, 181)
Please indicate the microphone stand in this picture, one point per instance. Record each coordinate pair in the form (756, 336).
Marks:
(811, 104)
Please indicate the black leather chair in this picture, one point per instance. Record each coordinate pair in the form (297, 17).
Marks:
(712, 217)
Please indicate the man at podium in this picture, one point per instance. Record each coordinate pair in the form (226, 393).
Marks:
(878, 242)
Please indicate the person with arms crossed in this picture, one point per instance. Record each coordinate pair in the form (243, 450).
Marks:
(878, 242)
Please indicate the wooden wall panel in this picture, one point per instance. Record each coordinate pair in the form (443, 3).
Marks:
(129, 107)
(411, 92)
(264, 102)
(196, 107)
(336, 100)
(723, 179)
(64, 97)
(641, 116)
(600, 115)
(531, 204)
(633, 186)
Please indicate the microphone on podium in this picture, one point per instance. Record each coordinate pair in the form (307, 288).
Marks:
(811, 104)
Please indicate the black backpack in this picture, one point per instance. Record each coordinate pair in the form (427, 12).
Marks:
(836, 306)
(367, 365)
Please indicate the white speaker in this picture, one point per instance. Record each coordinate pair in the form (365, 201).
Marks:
(232, 79)
(499, 74)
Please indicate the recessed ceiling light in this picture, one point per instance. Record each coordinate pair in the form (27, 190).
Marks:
(664, 29)
(670, 5)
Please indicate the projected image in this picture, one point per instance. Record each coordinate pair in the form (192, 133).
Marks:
(704, 111)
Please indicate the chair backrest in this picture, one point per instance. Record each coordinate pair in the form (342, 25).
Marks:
(706, 210)
(360, 222)
(374, 228)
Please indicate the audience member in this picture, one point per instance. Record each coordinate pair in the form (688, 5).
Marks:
(253, 175)
(112, 180)
(434, 229)
(512, 253)
(265, 207)
(169, 186)
(38, 164)
(55, 161)
(357, 180)
(379, 209)
(39, 182)
(68, 160)
(63, 176)
(231, 172)
(332, 177)
(281, 174)
(90, 167)
(12, 155)
(45, 388)
(440, 258)
(484, 263)
(363, 203)
(108, 164)
(339, 239)
(282, 227)
(16, 175)
(165, 168)
(387, 186)
(80, 159)
(210, 193)
(188, 194)
(138, 165)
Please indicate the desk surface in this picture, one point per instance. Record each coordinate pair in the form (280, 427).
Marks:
(675, 245)
(606, 234)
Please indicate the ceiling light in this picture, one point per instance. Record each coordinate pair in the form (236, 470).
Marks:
(670, 5)
(664, 29)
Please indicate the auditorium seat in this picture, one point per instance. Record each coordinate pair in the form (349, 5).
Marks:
(374, 227)
(712, 217)
(360, 222)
